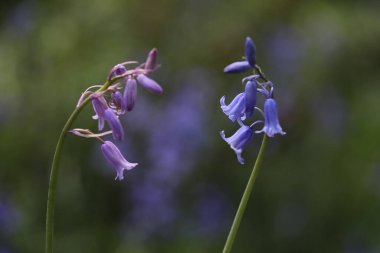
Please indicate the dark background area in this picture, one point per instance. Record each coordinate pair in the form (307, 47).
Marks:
(319, 187)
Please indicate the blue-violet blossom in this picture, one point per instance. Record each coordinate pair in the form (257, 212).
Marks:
(272, 125)
(239, 140)
(105, 113)
(116, 159)
(244, 104)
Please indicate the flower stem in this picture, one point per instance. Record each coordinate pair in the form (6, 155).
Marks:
(244, 200)
(54, 171)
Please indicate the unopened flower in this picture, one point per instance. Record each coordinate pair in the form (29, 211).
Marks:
(116, 159)
(271, 125)
(250, 97)
(151, 61)
(250, 52)
(149, 84)
(130, 93)
(237, 67)
(239, 140)
(114, 123)
(248, 63)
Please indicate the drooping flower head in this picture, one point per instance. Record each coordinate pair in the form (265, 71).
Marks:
(109, 103)
(242, 107)
(116, 159)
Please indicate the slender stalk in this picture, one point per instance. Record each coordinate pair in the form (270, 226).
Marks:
(244, 200)
(54, 171)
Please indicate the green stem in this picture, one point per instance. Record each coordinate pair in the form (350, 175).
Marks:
(244, 200)
(54, 171)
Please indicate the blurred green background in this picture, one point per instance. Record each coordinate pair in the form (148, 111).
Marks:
(318, 190)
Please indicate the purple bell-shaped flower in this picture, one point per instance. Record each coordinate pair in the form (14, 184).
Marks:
(239, 140)
(271, 125)
(116, 159)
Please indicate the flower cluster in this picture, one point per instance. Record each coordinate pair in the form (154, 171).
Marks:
(109, 103)
(244, 104)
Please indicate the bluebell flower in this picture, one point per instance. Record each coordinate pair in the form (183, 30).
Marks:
(236, 109)
(250, 52)
(116, 159)
(271, 125)
(130, 93)
(100, 105)
(239, 140)
(250, 97)
(105, 113)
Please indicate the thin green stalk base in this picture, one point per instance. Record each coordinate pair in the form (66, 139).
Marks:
(55, 168)
(244, 200)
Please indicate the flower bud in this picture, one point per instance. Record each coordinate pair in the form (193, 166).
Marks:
(250, 52)
(237, 67)
(130, 94)
(151, 60)
(149, 84)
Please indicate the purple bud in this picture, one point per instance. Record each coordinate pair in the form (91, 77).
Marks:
(250, 51)
(271, 125)
(150, 63)
(237, 67)
(116, 159)
(149, 84)
(130, 93)
(114, 123)
(239, 140)
(250, 97)
(119, 69)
